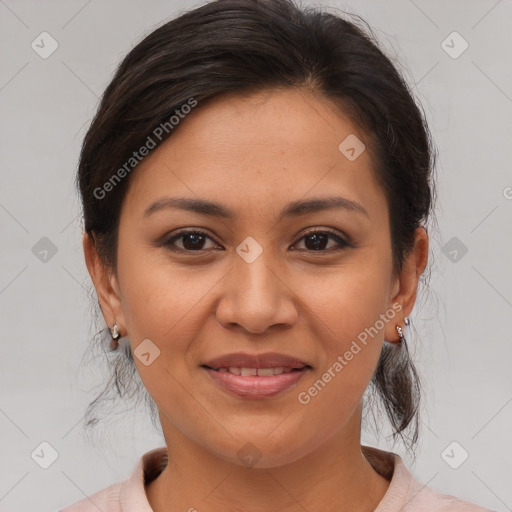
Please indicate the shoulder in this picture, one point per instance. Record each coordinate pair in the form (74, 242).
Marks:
(406, 494)
(424, 498)
(128, 495)
(106, 500)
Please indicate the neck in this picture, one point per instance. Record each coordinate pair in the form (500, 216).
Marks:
(333, 477)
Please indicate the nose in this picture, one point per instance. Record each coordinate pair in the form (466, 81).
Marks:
(256, 297)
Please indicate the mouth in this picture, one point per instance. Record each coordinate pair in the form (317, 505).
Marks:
(253, 372)
(256, 383)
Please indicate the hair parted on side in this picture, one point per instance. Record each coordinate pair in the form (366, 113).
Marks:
(245, 46)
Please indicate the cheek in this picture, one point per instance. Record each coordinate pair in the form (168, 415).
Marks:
(159, 298)
(344, 301)
(347, 308)
(168, 306)
(349, 350)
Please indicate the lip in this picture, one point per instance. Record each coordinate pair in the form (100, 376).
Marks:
(265, 360)
(255, 387)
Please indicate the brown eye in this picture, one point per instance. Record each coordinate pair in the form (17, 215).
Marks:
(190, 241)
(318, 240)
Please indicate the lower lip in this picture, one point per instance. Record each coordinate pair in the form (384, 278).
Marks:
(254, 386)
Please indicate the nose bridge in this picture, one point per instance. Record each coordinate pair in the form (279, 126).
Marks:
(253, 274)
(255, 296)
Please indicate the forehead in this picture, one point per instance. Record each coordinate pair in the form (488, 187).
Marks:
(255, 150)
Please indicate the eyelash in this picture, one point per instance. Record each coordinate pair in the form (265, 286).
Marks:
(169, 242)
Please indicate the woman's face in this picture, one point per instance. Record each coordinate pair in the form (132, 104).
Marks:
(258, 281)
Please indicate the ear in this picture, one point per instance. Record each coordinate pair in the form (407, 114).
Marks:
(406, 283)
(106, 285)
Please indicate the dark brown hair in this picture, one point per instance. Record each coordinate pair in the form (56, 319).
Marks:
(244, 46)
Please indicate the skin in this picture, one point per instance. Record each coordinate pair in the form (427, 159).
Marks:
(255, 154)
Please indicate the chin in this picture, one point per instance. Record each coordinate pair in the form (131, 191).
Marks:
(261, 452)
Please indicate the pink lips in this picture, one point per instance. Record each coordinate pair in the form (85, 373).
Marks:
(266, 360)
(256, 387)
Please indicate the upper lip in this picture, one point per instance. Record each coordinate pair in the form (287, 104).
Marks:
(244, 360)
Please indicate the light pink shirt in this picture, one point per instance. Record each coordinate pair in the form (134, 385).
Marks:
(404, 494)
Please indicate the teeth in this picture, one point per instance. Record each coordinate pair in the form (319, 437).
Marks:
(251, 372)
(265, 372)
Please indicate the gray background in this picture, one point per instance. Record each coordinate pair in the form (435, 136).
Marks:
(462, 325)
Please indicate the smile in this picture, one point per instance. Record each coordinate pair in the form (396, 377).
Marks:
(256, 383)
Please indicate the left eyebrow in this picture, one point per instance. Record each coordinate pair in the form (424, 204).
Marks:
(294, 209)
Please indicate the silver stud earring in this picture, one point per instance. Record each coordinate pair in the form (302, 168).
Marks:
(115, 332)
(400, 334)
(114, 344)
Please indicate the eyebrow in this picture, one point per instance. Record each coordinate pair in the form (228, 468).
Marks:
(294, 209)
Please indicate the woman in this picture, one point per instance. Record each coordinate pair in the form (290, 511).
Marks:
(256, 186)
